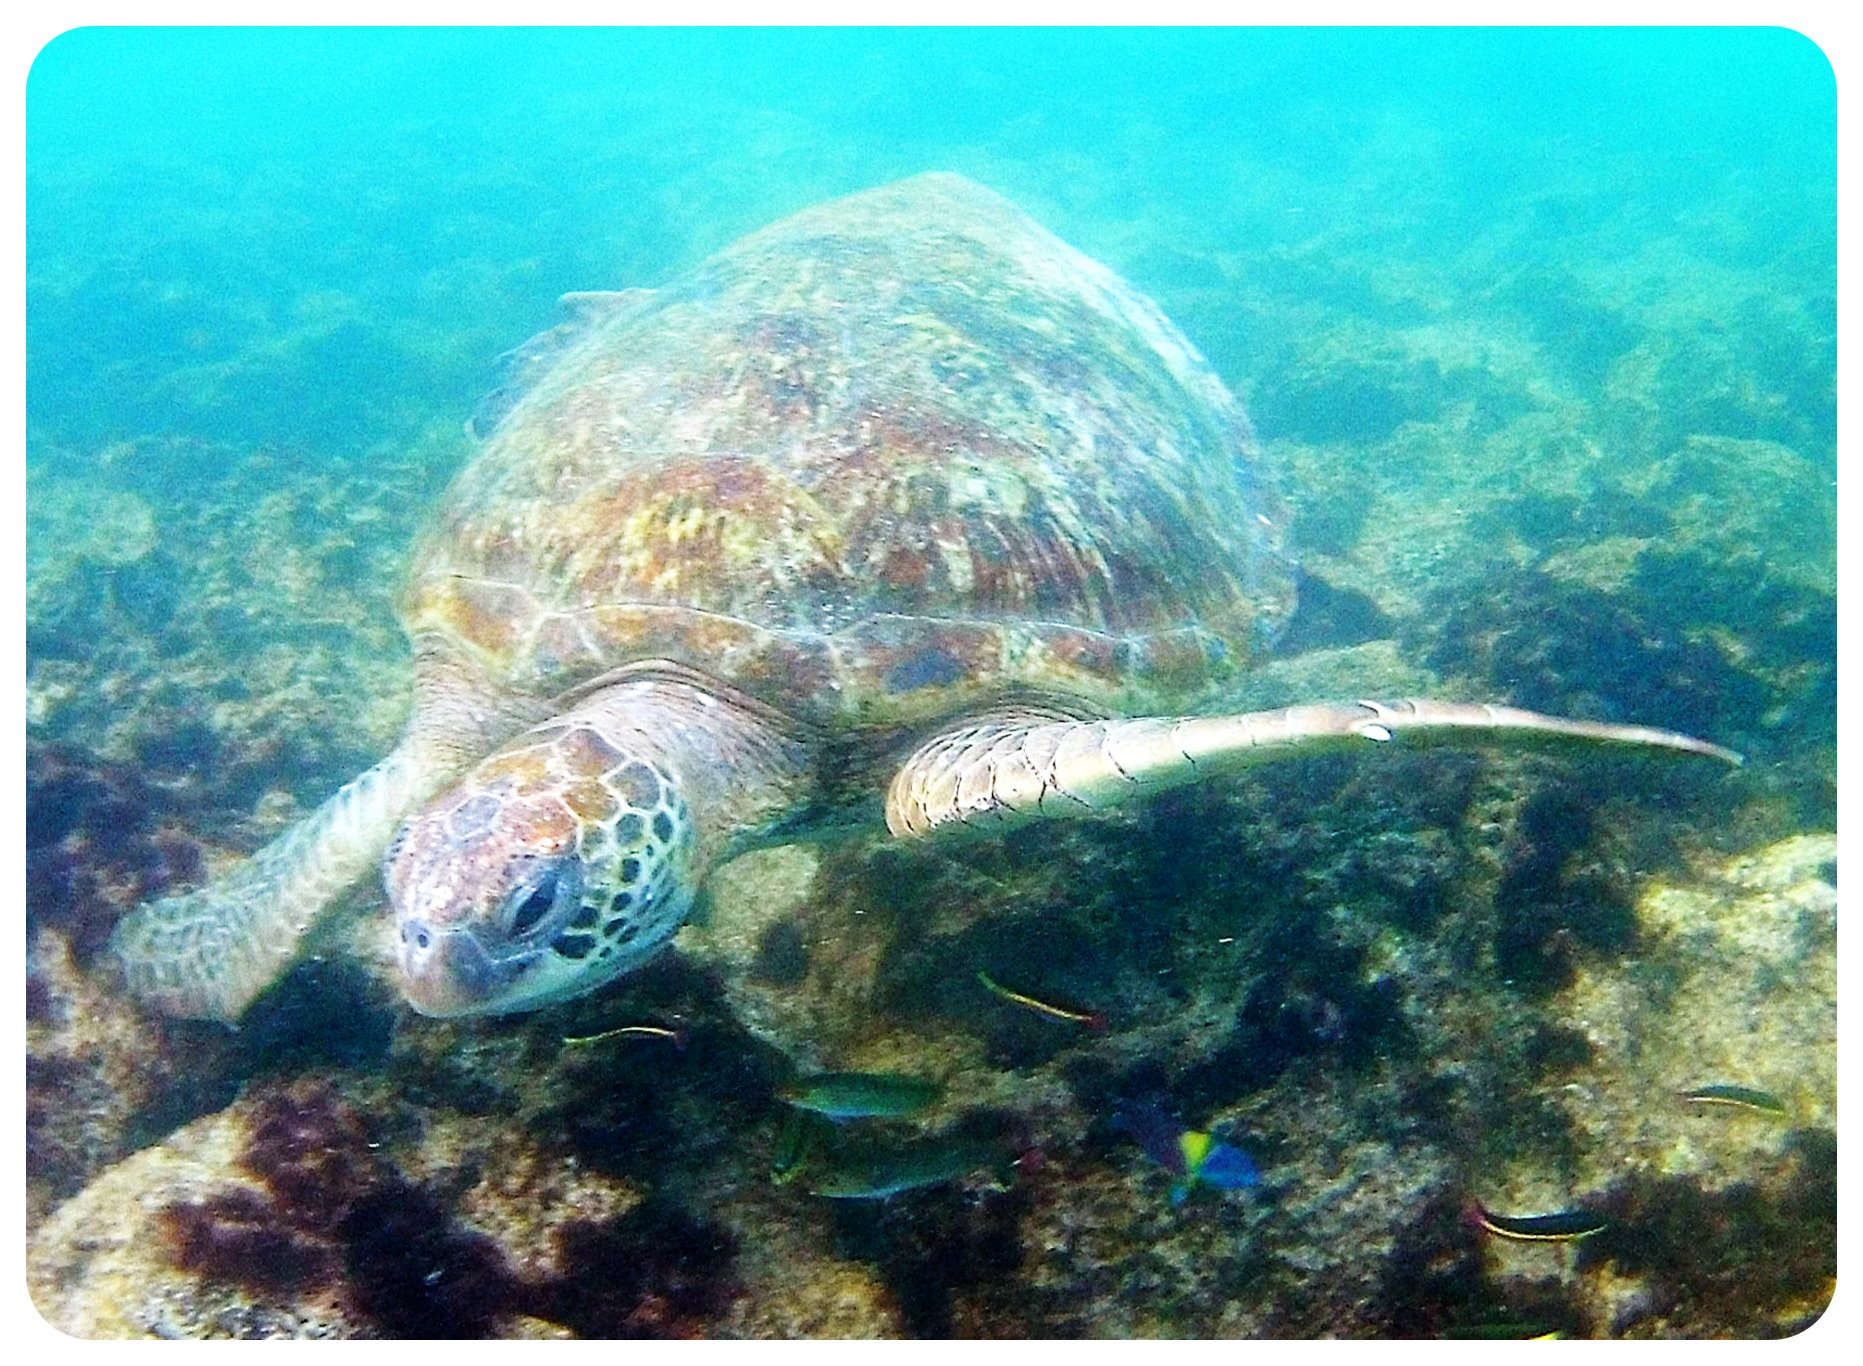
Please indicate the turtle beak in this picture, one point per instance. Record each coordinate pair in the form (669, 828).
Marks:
(447, 973)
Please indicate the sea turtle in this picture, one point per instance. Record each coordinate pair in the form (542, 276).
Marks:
(894, 507)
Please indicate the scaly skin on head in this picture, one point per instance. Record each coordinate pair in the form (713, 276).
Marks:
(572, 855)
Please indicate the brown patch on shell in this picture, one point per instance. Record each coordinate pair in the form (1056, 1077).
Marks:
(489, 617)
(560, 650)
(584, 751)
(591, 802)
(909, 404)
(1099, 657)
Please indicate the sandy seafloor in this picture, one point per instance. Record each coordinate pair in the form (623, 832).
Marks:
(1538, 332)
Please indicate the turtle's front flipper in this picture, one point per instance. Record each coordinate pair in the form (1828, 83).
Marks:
(1009, 770)
(208, 954)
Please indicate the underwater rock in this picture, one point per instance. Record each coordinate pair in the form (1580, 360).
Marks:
(91, 1069)
(1733, 982)
(1375, 668)
(80, 539)
(1692, 373)
(104, 1265)
(328, 1207)
(72, 519)
(1306, 958)
(755, 900)
(255, 643)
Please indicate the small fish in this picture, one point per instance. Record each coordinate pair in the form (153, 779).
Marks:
(797, 1142)
(861, 1095)
(1092, 1019)
(1565, 1226)
(873, 1172)
(1739, 1097)
(1191, 1155)
(677, 1034)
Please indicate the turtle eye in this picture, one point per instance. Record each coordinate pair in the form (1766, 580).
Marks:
(530, 907)
(535, 906)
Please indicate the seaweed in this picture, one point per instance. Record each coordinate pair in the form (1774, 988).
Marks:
(782, 955)
(1327, 616)
(235, 1237)
(1552, 906)
(654, 1272)
(1734, 1257)
(416, 1273)
(333, 1212)
(1435, 1283)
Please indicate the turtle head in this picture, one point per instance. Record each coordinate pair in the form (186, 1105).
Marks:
(554, 866)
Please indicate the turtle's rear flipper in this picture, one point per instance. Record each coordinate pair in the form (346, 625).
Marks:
(1009, 770)
(208, 954)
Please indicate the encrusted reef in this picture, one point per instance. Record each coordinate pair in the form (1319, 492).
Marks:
(327, 1209)
(500, 1179)
(1417, 990)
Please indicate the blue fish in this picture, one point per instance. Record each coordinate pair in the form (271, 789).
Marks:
(1191, 1155)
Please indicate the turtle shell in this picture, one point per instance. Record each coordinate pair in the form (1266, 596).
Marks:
(890, 458)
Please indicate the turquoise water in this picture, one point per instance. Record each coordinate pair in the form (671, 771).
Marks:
(1537, 329)
(197, 195)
